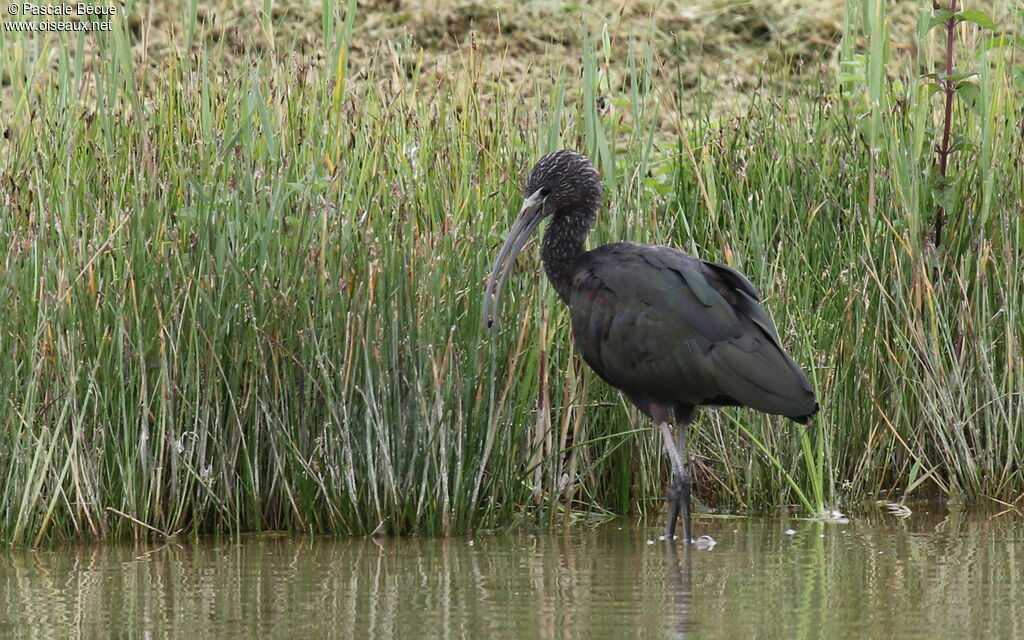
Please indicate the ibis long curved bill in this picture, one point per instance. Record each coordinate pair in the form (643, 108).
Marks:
(529, 217)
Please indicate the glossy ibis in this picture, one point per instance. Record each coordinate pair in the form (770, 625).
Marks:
(672, 332)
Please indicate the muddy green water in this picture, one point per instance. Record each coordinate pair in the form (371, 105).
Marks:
(927, 576)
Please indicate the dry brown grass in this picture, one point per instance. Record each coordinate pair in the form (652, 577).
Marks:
(725, 44)
(727, 47)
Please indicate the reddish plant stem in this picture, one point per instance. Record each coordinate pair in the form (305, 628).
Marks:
(949, 87)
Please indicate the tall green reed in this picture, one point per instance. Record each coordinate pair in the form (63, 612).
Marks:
(241, 299)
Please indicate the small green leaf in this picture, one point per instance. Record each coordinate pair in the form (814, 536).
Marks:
(970, 93)
(939, 17)
(964, 145)
(978, 17)
(950, 77)
(944, 194)
(957, 77)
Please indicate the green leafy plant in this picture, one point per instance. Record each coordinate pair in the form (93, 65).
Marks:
(951, 83)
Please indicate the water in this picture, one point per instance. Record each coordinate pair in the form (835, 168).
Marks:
(927, 576)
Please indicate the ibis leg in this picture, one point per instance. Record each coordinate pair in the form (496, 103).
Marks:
(682, 435)
(679, 501)
(679, 489)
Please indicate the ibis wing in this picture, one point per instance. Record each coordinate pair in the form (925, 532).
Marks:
(662, 325)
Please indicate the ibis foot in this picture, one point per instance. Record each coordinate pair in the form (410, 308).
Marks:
(679, 502)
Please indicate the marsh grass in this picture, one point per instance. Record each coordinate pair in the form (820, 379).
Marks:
(245, 298)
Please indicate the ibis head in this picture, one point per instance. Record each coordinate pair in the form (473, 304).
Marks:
(563, 184)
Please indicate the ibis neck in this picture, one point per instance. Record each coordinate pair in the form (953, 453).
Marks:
(563, 244)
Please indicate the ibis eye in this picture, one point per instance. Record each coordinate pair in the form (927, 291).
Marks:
(545, 192)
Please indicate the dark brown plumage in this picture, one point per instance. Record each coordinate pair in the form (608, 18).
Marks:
(669, 330)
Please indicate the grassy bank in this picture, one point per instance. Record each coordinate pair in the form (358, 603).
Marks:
(247, 296)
